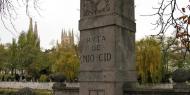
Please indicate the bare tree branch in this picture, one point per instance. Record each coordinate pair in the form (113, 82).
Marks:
(167, 19)
(8, 12)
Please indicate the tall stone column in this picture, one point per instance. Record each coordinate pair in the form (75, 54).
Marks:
(107, 46)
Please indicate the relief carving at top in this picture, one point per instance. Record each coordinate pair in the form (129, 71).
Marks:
(130, 9)
(94, 7)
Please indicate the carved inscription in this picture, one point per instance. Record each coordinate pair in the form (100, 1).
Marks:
(94, 7)
(96, 49)
(102, 57)
(96, 92)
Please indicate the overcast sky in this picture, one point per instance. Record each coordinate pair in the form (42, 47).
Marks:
(64, 14)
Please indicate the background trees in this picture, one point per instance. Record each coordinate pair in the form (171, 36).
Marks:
(173, 17)
(156, 61)
(3, 57)
(12, 57)
(24, 58)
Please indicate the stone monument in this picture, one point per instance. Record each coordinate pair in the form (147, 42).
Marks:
(107, 46)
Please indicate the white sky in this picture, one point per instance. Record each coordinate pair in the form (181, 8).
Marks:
(64, 14)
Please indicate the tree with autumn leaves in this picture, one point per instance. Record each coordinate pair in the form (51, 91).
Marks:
(67, 61)
(148, 60)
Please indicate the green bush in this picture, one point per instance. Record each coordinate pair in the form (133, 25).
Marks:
(43, 78)
(1, 77)
(57, 77)
(180, 75)
(28, 78)
(8, 77)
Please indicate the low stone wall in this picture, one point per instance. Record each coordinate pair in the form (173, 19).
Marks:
(73, 88)
(33, 85)
(158, 89)
(72, 85)
(156, 86)
(148, 89)
(156, 92)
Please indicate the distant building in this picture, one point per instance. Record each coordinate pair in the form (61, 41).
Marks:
(67, 38)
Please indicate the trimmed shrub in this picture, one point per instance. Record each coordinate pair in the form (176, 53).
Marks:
(43, 78)
(57, 77)
(8, 77)
(1, 77)
(180, 75)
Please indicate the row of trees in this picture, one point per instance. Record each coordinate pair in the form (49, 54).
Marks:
(24, 58)
(155, 60)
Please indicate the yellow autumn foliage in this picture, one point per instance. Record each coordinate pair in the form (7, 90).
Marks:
(67, 62)
(148, 60)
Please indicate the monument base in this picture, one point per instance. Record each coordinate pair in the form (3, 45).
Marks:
(101, 88)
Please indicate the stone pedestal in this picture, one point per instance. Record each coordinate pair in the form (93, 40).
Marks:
(107, 46)
(180, 86)
(60, 88)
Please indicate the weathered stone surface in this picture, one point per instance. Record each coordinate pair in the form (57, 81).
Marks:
(107, 45)
(94, 46)
(100, 88)
(100, 13)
